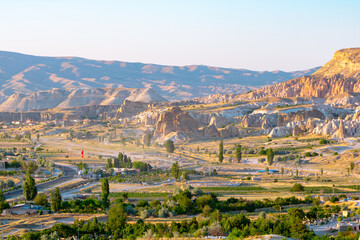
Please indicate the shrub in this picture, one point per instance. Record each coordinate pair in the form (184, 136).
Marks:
(163, 212)
(144, 214)
(334, 199)
(169, 145)
(41, 199)
(297, 188)
(324, 141)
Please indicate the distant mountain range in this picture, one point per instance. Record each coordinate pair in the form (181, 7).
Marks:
(69, 98)
(26, 74)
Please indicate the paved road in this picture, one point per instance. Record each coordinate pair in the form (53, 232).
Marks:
(69, 174)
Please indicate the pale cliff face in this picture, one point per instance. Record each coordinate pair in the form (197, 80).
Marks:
(340, 75)
(345, 62)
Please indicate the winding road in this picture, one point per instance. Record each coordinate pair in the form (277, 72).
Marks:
(69, 174)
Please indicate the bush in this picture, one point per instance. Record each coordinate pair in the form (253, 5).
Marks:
(334, 199)
(169, 145)
(297, 188)
(144, 214)
(41, 199)
(324, 141)
(163, 212)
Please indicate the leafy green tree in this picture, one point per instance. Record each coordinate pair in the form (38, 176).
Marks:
(221, 151)
(148, 139)
(3, 203)
(270, 156)
(352, 166)
(29, 187)
(169, 145)
(324, 141)
(238, 153)
(185, 175)
(334, 199)
(296, 212)
(29, 166)
(121, 158)
(55, 200)
(41, 199)
(82, 166)
(116, 163)
(109, 163)
(175, 171)
(116, 218)
(105, 191)
(28, 135)
(206, 211)
(297, 187)
(282, 171)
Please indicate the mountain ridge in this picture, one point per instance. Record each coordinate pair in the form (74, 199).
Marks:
(69, 98)
(25, 74)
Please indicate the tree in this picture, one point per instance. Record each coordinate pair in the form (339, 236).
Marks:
(3, 203)
(270, 156)
(282, 171)
(296, 212)
(105, 191)
(334, 199)
(28, 135)
(29, 166)
(238, 153)
(322, 171)
(116, 218)
(41, 199)
(29, 187)
(352, 166)
(169, 145)
(221, 151)
(55, 200)
(206, 211)
(116, 163)
(297, 187)
(185, 175)
(109, 163)
(121, 159)
(148, 139)
(175, 171)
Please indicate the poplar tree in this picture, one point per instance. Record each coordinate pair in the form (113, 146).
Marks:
(105, 192)
(29, 187)
(238, 153)
(221, 151)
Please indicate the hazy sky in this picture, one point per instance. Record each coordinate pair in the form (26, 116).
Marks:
(253, 34)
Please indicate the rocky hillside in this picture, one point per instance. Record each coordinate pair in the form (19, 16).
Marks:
(340, 75)
(68, 98)
(25, 74)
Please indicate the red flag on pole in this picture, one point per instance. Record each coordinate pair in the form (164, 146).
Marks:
(82, 154)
